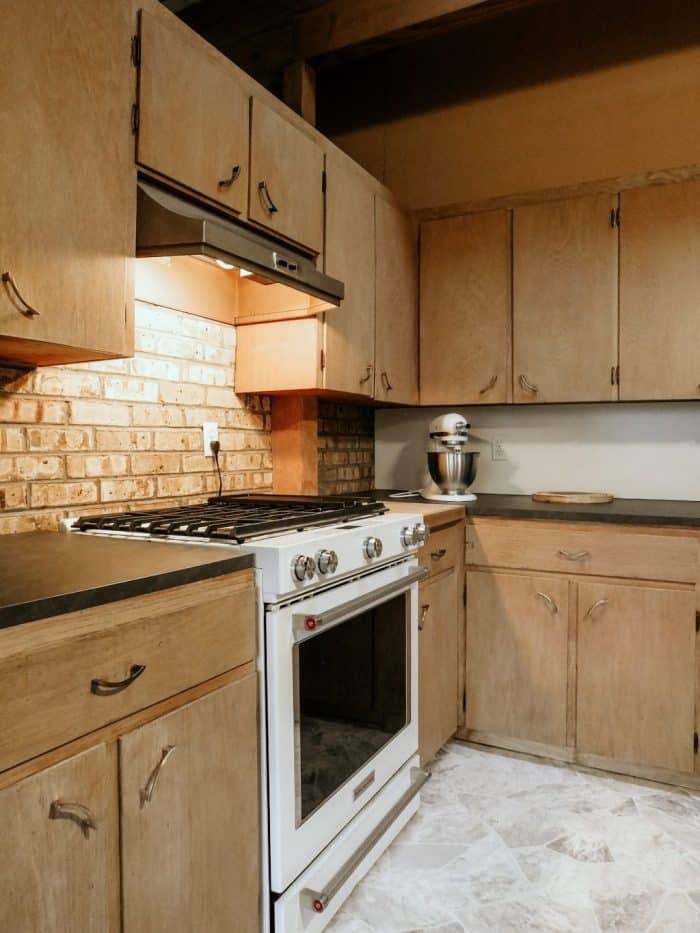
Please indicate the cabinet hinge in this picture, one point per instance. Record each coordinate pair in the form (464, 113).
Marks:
(323, 359)
(135, 117)
(324, 181)
(617, 216)
(695, 743)
(464, 594)
(697, 621)
(135, 51)
(617, 375)
(464, 700)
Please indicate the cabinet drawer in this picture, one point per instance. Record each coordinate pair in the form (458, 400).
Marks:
(441, 551)
(180, 637)
(567, 548)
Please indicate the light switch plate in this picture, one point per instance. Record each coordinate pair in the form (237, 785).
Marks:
(498, 450)
(210, 432)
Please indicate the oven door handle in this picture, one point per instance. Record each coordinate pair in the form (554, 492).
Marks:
(319, 900)
(307, 624)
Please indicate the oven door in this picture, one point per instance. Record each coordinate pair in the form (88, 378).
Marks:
(342, 689)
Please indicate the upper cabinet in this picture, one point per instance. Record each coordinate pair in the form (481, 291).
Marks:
(286, 178)
(660, 292)
(565, 277)
(465, 309)
(396, 290)
(69, 197)
(194, 119)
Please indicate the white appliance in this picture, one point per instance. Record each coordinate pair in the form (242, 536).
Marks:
(451, 466)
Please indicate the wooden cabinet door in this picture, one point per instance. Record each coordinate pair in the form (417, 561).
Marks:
(517, 635)
(396, 328)
(68, 200)
(660, 292)
(465, 309)
(565, 314)
(440, 614)
(190, 817)
(286, 178)
(636, 664)
(194, 115)
(56, 877)
(349, 256)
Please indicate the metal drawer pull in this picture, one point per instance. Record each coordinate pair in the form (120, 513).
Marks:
(594, 608)
(227, 182)
(319, 900)
(528, 386)
(11, 286)
(487, 388)
(368, 374)
(424, 610)
(553, 608)
(385, 382)
(105, 688)
(574, 555)
(147, 791)
(438, 555)
(268, 203)
(62, 810)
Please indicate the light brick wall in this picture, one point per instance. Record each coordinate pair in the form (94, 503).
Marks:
(125, 434)
(345, 447)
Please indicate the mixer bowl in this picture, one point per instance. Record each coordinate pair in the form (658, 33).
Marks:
(453, 470)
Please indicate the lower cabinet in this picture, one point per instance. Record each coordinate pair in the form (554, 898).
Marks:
(517, 636)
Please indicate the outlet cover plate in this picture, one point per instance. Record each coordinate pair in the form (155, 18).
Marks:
(210, 432)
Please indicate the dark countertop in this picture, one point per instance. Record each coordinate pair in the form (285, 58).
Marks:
(668, 512)
(47, 573)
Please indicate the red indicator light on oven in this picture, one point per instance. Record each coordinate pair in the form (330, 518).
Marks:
(318, 905)
(310, 624)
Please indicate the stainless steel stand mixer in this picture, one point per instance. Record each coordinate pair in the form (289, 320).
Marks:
(452, 468)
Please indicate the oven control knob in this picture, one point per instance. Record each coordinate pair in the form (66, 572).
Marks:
(373, 548)
(327, 561)
(421, 532)
(303, 568)
(408, 536)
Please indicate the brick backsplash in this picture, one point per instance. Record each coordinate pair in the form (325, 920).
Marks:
(345, 447)
(125, 434)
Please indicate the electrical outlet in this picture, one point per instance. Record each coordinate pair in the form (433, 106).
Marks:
(210, 432)
(498, 450)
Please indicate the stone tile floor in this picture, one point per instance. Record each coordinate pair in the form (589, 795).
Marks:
(508, 843)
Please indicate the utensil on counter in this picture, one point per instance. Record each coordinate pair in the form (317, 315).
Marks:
(574, 498)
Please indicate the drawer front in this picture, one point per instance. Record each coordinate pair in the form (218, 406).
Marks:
(566, 548)
(58, 690)
(442, 549)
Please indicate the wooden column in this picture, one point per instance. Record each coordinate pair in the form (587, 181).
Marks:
(295, 445)
(299, 90)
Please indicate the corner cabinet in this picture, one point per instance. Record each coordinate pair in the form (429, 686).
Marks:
(69, 182)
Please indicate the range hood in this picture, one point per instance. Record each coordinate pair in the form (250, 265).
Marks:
(168, 225)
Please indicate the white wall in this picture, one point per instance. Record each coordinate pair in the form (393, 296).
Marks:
(635, 451)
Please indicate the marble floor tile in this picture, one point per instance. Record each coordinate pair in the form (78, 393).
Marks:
(506, 843)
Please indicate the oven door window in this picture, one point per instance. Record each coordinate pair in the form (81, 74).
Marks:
(352, 696)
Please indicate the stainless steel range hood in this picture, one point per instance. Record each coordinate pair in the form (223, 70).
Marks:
(168, 225)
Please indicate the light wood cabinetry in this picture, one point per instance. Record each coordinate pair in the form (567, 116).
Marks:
(69, 202)
(189, 816)
(565, 256)
(60, 875)
(194, 121)
(286, 178)
(659, 288)
(465, 309)
(396, 332)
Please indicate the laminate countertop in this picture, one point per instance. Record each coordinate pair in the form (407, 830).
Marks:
(655, 512)
(48, 573)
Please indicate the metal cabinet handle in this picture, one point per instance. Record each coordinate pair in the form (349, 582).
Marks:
(385, 382)
(105, 688)
(553, 608)
(268, 203)
(594, 608)
(147, 791)
(227, 182)
(574, 555)
(424, 610)
(27, 310)
(62, 810)
(439, 554)
(368, 374)
(487, 388)
(528, 386)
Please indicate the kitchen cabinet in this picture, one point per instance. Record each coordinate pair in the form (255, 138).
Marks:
(396, 289)
(465, 309)
(190, 815)
(565, 300)
(69, 203)
(636, 674)
(659, 287)
(194, 119)
(60, 870)
(286, 178)
(517, 636)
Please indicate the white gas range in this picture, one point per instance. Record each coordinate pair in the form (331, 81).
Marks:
(339, 696)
